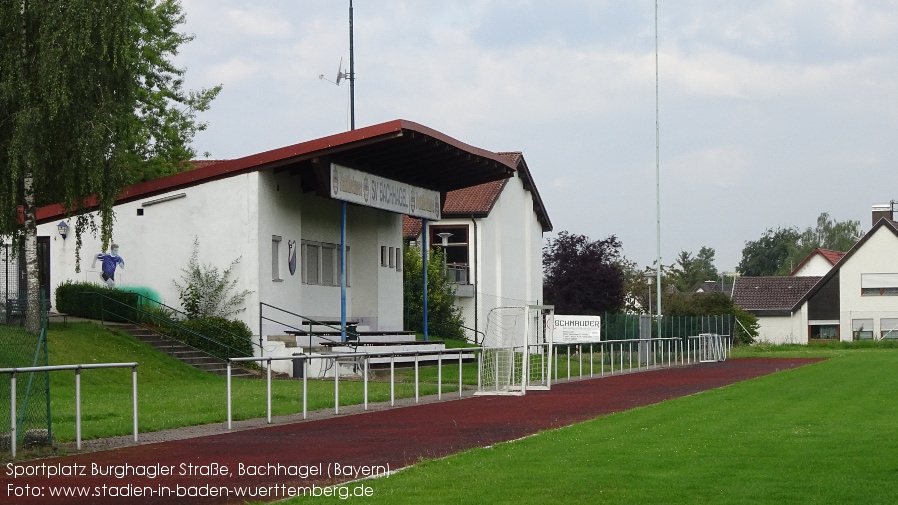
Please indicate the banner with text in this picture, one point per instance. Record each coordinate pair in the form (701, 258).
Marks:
(576, 329)
(355, 186)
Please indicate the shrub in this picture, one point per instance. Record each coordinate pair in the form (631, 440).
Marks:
(82, 299)
(217, 336)
(208, 292)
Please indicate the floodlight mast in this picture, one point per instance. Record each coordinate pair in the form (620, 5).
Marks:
(657, 171)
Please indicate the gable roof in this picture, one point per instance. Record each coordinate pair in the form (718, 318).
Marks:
(886, 223)
(771, 295)
(832, 257)
(479, 200)
(400, 150)
(523, 172)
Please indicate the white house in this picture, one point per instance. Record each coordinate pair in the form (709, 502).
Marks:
(818, 263)
(855, 299)
(280, 213)
(493, 244)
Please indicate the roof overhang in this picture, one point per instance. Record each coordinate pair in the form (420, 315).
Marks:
(400, 150)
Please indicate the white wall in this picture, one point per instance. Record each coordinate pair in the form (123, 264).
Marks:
(879, 254)
(236, 217)
(505, 254)
(817, 266)
(157, 245)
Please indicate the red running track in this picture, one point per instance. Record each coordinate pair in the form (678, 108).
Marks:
(392, 439)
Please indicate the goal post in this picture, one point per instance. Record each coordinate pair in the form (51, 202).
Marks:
(516, 350)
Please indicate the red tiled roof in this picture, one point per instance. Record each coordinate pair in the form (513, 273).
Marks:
(474, 200)
(771, 293)
(411, 226)
(832, 257)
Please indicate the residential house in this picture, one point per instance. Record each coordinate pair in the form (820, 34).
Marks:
(855, 299)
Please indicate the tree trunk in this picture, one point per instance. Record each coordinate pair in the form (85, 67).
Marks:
(33, 315)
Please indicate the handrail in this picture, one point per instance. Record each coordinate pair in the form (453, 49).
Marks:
(475, 335)
(187, 317)
(310, 321)
(77, 368)
(171, 324)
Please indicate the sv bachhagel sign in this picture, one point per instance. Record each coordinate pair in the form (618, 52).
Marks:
(362, 188)
(576, 329)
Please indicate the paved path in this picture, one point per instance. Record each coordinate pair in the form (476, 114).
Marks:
(320, 452)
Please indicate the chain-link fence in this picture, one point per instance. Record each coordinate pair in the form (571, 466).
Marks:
(20, 347)
(627, 326)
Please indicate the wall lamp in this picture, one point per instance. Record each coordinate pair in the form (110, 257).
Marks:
(63, 228)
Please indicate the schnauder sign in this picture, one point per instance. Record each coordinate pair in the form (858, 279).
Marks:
(576, 329)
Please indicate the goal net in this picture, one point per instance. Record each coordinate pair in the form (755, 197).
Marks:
(710, 348)
(516, 351)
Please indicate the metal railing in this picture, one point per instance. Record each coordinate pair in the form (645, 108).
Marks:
(351, 333)
(13, 442)
(619, 354)
(168, 327)
(364, 358)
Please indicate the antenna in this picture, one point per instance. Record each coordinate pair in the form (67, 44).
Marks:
(340, 74)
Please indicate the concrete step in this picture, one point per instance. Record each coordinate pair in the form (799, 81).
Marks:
(184, 353)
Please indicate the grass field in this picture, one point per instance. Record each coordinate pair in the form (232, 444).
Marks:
(171, 394)
(824, 433)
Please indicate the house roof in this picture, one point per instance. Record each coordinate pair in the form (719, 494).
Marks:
(478, 201)
(771, 295)
(832, 257)
(888, 224)
(400, 150)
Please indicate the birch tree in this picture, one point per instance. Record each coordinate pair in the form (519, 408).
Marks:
(89, 102)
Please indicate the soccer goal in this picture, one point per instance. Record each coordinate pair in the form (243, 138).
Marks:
(516, 351)
(710, 348)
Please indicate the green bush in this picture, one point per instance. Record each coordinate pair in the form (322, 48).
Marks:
(217, 336)
(82, 299)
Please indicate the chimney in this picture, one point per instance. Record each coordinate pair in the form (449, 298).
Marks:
(881, 210)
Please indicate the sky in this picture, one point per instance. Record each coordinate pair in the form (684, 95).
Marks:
(771, 111)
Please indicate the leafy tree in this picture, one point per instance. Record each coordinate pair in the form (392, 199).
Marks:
(689, 272)
(583, 276)
(89, 101)
(713, 304)
(768, 255)
(443, 317)
(779, 251)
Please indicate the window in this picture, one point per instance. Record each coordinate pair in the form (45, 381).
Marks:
(862, 329)
(275, 258)
(383, 256)
(888, 327)
(321, 263)
(329, 265)
(824, 332)
(456, 249)
(398, 259)
(879, 284)
(392, 255)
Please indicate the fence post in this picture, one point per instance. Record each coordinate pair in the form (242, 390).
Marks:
(13, 436)
(134, 396)
(78, 408)
(229, 394)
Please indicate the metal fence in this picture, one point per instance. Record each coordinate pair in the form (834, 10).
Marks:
(627, 326)
(22, 348)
